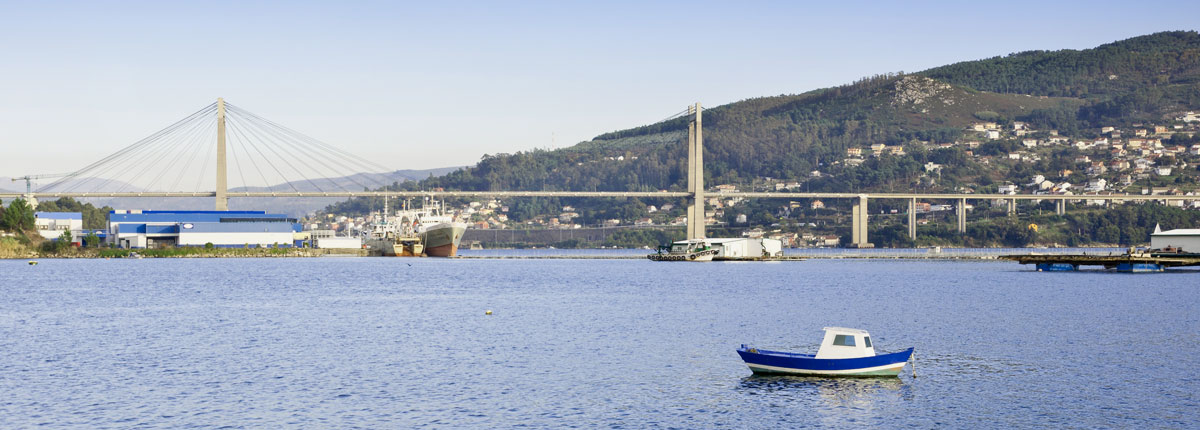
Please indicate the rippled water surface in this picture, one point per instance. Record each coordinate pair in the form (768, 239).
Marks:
(397, 343)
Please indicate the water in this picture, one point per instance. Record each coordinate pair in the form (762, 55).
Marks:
(399, 343)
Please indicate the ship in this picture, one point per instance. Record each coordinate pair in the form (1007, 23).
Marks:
(392, 237)
(415, 232)
(439, 232)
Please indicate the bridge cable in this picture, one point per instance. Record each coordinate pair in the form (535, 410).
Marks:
(315, 141)
(131, 158)
(136, 145)
(315, 159)
(264, 157)
(271, 146)
(187, 137)
(241, 140)
(192, 153)
(132, 153)
(281, 140)
(279, 132)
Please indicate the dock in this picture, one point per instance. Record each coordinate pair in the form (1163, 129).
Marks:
(1133, 262)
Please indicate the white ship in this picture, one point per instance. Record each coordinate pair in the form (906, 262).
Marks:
(427, 231)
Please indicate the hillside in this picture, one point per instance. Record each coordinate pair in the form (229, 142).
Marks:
(971, 127)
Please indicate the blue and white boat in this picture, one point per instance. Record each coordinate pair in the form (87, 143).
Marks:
(844, 352)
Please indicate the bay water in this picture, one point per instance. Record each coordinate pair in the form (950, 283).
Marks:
(619, 343)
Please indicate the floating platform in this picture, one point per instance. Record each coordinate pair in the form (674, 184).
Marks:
(1127, 263)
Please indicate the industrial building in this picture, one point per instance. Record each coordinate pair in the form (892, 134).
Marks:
(328, 239)
(1186, 239)
(226, 229)
(744, 248)
(51, 225)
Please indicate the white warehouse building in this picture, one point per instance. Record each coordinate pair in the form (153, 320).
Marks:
(1186, 239)
(226, 229)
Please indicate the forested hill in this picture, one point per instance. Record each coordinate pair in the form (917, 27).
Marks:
(1148, 78)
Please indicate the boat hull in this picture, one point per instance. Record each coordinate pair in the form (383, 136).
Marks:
(706, 255)
(406, 247)
(785, 363)
(441, 240)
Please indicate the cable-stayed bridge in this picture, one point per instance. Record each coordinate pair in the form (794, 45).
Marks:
(199, 156)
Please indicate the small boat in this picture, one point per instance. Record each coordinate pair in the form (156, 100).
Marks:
(844, 352)
(685, 250)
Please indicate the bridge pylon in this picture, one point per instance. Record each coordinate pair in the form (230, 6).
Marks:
(695, 214)
(222, 201)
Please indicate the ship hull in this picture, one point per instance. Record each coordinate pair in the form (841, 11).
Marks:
(441, 240)
(397, 248)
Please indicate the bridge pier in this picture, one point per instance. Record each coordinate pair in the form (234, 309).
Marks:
(1012, 207)
(1060, 207)
(962, 215)
(912, 219)
(858, 221)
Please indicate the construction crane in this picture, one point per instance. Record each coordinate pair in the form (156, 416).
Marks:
(29, 178)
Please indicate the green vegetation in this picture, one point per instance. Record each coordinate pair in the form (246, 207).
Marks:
(93, 217)
(804, 139)
(18, 217)
(196, 252)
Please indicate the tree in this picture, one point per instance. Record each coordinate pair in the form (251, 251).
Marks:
(18, 217)
(92, 240)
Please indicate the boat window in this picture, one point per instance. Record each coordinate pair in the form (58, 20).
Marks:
(867, 341)
(843, 340)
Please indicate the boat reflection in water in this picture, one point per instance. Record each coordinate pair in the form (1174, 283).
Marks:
(842, 394)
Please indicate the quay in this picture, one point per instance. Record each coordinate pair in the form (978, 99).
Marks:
(1131, 262)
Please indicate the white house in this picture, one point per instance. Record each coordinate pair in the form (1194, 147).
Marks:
(1096, 185)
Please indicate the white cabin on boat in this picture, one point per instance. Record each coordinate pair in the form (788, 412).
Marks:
(841, 342)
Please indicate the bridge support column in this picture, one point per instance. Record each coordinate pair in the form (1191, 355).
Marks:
(858, 221)
(222, 186)
(695, 227)
(912, 219)
(1060, 207)
(962, 215)
(1012, 207)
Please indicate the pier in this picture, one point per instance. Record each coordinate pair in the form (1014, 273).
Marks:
(1129, 262)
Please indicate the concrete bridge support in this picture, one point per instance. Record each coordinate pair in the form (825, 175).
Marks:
(858, 220)
(962, 215)
(912, 219)
(695, 214)
(1060, 207)
(1012, 207)
(222, 201)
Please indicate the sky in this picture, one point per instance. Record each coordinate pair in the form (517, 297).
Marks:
(434, 84)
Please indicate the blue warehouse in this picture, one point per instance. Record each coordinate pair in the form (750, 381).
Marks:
(150, 229)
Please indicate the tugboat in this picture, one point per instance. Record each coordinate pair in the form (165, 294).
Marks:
(685, 250)
(844, 352)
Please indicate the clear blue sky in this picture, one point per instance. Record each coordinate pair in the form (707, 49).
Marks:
(433, 84)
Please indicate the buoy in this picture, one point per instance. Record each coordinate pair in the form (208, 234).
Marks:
(487, 312)
(34, 263)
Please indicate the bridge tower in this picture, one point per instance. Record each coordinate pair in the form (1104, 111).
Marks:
(695, 214)
(222, 199)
